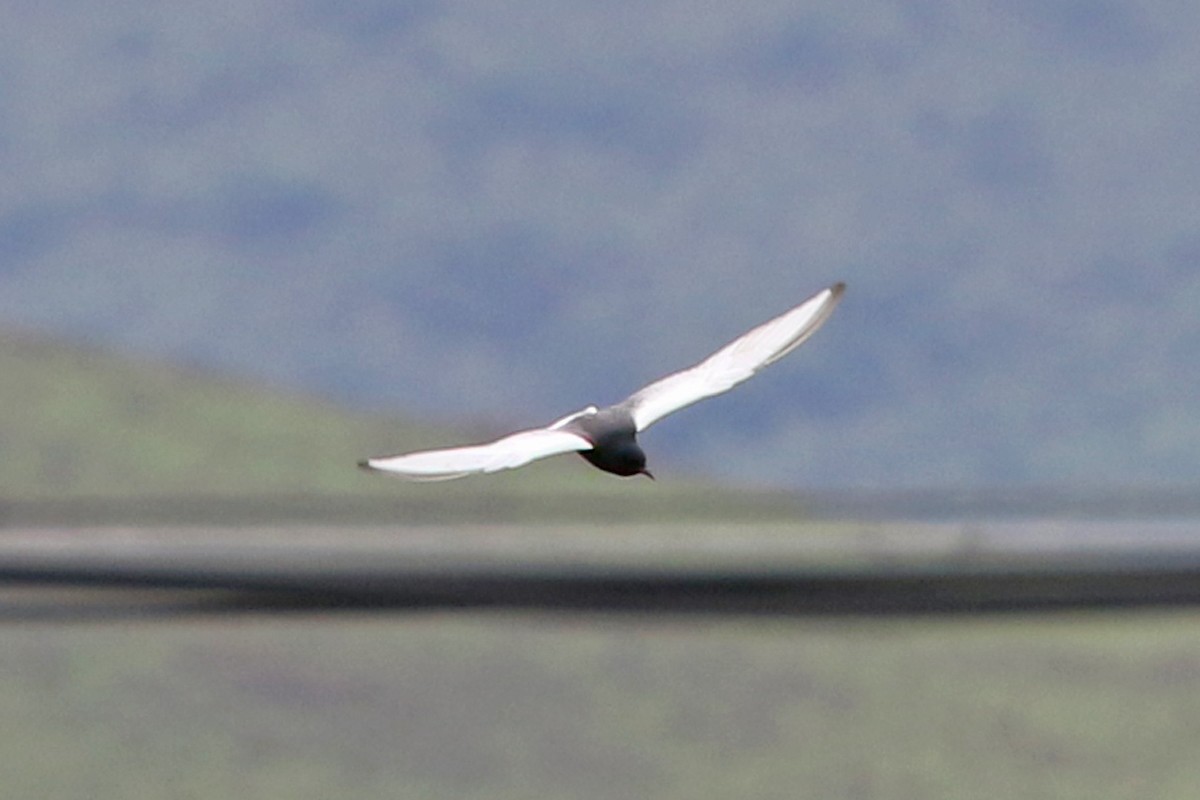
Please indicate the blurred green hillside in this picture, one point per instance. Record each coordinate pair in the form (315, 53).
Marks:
(90, 437)
(79, 422)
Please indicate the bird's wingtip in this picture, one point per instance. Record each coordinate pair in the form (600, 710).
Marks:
(366, 464)
(838, 288)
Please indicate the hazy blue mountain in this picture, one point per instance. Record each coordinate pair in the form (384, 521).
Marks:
(506, 211)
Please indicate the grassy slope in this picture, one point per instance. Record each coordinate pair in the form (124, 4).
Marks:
(88, 436)
(77, 422)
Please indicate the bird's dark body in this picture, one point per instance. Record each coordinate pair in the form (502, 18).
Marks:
(613, 435)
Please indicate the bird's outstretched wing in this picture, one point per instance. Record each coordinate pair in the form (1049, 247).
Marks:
(514, 450)
(735, 362)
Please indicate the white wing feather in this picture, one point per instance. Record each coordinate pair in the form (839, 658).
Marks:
(734, 363)
(514, 450)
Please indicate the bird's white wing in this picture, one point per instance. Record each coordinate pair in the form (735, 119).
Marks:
(514, 450)
(735, 362)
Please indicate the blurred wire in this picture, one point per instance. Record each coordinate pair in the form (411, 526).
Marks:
(859, 569)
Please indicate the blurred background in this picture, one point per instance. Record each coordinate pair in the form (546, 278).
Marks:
(498, 213)
(245, 243)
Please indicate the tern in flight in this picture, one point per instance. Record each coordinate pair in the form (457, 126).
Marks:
(607, 437)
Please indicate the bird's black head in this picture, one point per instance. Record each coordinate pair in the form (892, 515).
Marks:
(634, 462)
(625, 459)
